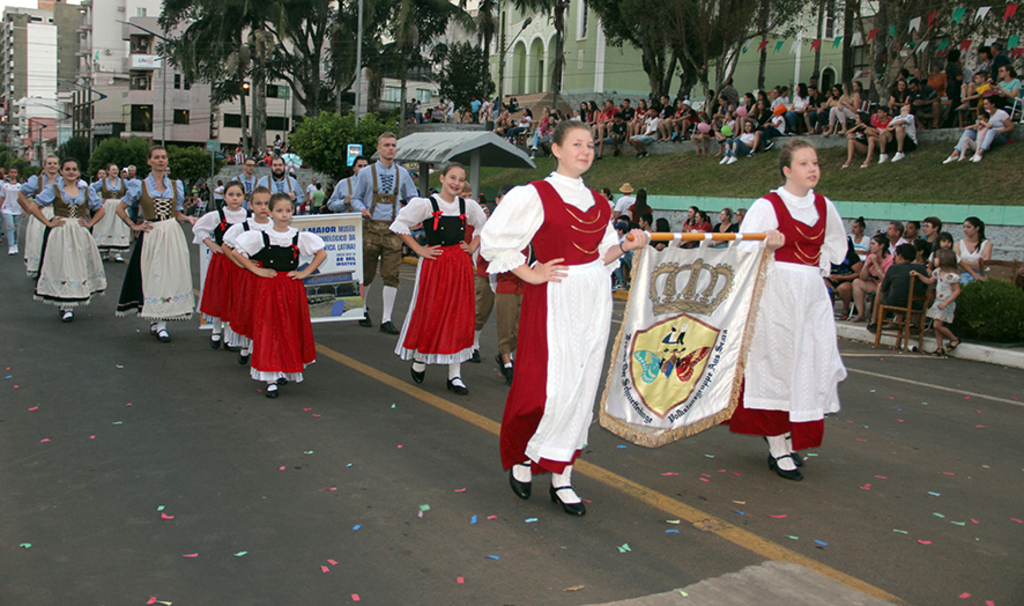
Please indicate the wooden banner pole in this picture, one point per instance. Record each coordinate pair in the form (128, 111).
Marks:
(662, 236)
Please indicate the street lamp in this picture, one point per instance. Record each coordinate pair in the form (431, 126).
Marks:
(504, 49)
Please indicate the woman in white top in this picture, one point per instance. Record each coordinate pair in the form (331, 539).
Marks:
(972, 249)
(566, 312)
(523, 126)
(34, 229)
(992, 129)
(438, 328)
(860, 241)
(10, 209)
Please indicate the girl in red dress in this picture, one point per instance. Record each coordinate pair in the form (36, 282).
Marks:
(282, 335)
(210, 230)
(439, 326)
(239, 306)
(566, 313)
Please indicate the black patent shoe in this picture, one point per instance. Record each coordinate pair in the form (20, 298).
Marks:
(215, 340)
(476, 357)
(794, 475)
(389, 328)
(271, 391)
(573, 509)
(522, 489)
(418, 376)
(282, 381)
(231, 348)
(243, 358)
(460, 390)
(798, 459)
(366, 322)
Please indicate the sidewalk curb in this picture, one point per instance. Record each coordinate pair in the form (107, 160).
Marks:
(1012, 358)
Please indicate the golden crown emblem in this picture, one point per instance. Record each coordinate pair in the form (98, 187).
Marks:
(695, 288)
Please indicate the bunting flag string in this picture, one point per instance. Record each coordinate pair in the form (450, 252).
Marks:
(857, 39)
(1012, 42)
(1017, 52)
(838, 40)
(1011, 9)
(966, 44)
(872, 34)
(816, 45)
(778, 45)
(915, 24)
(796, 45)
(958, 16)
(761, 47)
(982, 13)
(931, 17)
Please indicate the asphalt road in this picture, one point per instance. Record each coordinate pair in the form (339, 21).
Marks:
(121, 456)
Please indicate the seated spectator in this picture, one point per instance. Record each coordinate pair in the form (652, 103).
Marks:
(930, 229)
(525, 121)
(944, 242)
(604, 120)
(829, 100)
(845, 109)
(627, 111)
(991, 130)
(803, 112)
(925, 103)
(696, 222)
(743, 145)
(871, 273)
(661, 226)
(937, 78)
(841, 276)
(503, 124)
(895, 287)
(542, 134)
(740, 213)
(636, 125)
(912, 231)
(900, 136)
(862, 138)
(898, 96)
(857, 237)
(616, 134)
(725, 225)
(971, 249)
(702, 136)
(622, 273)
(894, 235)
(777, 128)
(924, 251)
(1008, 88)
(648, 136)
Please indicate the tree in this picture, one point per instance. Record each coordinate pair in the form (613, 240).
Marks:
(486, 23)
(190, 164)
(300, 64)
(122, 152)
(466, 75)
(77, 148)
(635, 22)
(322, 141)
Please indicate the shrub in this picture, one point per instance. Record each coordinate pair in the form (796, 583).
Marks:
(991, 311)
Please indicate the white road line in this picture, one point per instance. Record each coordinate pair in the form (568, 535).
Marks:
(937, 387)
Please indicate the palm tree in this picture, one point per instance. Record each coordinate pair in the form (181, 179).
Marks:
(487, 22)
(556, 9)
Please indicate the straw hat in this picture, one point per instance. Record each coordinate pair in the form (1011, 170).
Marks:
(626, 188)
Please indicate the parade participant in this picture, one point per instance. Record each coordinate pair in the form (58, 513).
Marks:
(239, 306)
(278, 181)
(379, 210)
(484, 288)
(438, 328)
(793, 367)
(158, 282)
(341, 198)
(209, 230)
(34, 229)
(10, 209)
(566, 312)
(282, 334)
(248, 179)
(111, 234)
(70, 268)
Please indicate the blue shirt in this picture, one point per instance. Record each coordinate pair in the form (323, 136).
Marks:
(32, 186)
(131, 197)
(285, 185)
(474, 106)
(363, 195)
(98, 186)
(341, 191)
(85, 195)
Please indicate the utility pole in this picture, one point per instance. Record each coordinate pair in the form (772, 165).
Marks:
(501, 58)
(359, 62)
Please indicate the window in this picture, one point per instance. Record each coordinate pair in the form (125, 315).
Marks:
(232, 121)
(141, 82)
(177, 81)
(140, 11)
(277, 123)
(581, 21)
(423, 95)
(393, 94)
(142, 118)
(181, 116)
(277, 91)
(830, 23)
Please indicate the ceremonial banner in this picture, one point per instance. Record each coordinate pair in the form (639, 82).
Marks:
(677, 362)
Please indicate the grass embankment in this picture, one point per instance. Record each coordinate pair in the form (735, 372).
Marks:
(920, 178)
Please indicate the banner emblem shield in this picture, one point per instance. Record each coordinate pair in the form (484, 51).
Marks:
(668, 359)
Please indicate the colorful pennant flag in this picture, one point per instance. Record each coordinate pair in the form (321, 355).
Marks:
(857, 39)
(778, 45)
(1012, 42)
(920, 47)
(982, 13)
(872, 34)
(915, 24)
(990, 41)
(795, 45)
(943, 45)
(1011, 9)
(838, 40)
(762, 46)
(816, 45)
(958, 15)
(892, 31)
(746, 46)
(1017, 52)
(966, 44)
(931, 17)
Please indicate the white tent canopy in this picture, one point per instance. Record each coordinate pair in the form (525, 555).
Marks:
(470, 148)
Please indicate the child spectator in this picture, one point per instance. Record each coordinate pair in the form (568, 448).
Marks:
(947, 288)
(895, 287)
(945, 242)
(648, 136)
(841, 277)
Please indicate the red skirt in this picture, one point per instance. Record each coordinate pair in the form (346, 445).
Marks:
(243, 301)
(282, 333)
(756, 422)
(216, 287)
(444, 314)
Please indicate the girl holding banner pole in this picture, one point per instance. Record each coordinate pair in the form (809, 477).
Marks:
(793, 367)
(566, 313)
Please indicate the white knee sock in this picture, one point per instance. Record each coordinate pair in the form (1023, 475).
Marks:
(160, 326)
(523, 472)
(390, 292)
(779, 447)
(454, 371)
(419, 366)
(558, 480)
(217, 326)
(366, 296)
(476, 339)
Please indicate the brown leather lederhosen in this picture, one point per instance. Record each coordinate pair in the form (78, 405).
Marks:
(108, 194)
(158, 209)
(379, 242)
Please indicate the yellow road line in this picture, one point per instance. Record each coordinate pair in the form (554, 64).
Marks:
(653, 498)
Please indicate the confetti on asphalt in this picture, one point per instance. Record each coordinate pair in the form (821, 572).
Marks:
(739, 512)
(392, 406)
(938, 515)
(900, 531)
(160, 508)
(964, 595)
(25, 545)
(865, 487)
(882, 477)
(424, 507)
(789, 536)
(308, 452)
(740, 502)
(492, 517)
(574, 588)
(704, 480)
(331, 488)
(399, 445)
(283, 467)
(240, 554)
(460, 490)
(672, 521)
(622, 446)
(493, 557)
(118, 423)
(975, 521)
(332, 562)
(355, 597)
(472, 520)
(958, 523)
(822, 543)
(316, 416)
(934, 494)
(190, 555)
(306, 409)
(33, 409)
(624, 548)
(670, 473)
(1017, 521)
(683, 593)
(92, 437)
(779, 517)
(530, 520)
(164, 516)
(671, 531)
(709, 456)
(151, 600)
(357, 527)
(44, 440)
(324, 568)
(924, 542)
(458, 580)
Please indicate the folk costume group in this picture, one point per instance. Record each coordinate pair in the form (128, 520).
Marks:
(549, 247)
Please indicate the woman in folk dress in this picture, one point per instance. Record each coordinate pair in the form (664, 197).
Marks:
(112, 236)
(34, 229)
(158, 283)
(566, 312)
(70, 269)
